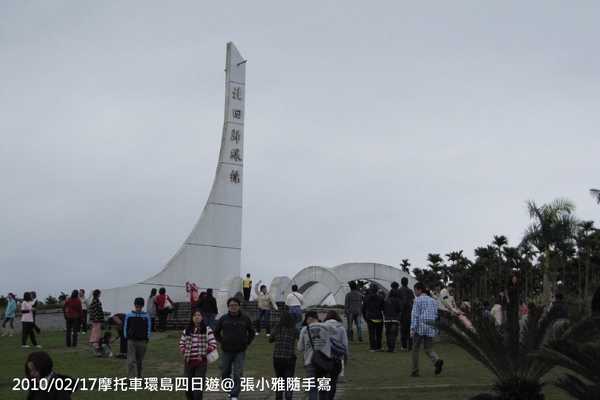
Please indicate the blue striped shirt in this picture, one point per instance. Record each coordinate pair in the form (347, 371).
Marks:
(425, 310)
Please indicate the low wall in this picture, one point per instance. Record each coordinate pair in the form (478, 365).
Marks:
(53, 320)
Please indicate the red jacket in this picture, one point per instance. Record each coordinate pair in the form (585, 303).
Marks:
(72, 309)
(160, 301)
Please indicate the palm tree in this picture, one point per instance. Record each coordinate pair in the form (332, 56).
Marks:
(485, 256)
(573, 353)
(582, 241)
(510, 355)
(404, 265)
(553, 224)
(595, 194)
(436, 263)
(500, 241)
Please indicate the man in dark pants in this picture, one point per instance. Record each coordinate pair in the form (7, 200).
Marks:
(137, 332)
(424, 314)
(235, 332)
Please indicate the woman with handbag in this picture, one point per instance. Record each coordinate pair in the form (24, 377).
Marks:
(284, 335)
(196, 343)
(339, 352)
(164, 305)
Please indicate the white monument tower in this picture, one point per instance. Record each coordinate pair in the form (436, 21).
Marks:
(212, 251)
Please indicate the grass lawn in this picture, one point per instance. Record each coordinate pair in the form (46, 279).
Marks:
(368, 375)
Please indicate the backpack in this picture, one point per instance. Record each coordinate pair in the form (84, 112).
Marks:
(337, 347)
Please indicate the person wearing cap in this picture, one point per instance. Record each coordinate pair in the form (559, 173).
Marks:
(315, 336)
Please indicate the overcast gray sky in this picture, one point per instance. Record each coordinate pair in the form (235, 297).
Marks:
(374, 131)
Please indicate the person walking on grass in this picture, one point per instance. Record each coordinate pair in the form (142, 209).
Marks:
(284, 336)
(353, 311)
(424, 313)
(339, 353)
(9, 315)
(27, 321)
(137, 330)
(197, 341)
(315, 336)
(235, 332)
(373, 313)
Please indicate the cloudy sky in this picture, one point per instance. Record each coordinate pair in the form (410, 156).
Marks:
(374, 131)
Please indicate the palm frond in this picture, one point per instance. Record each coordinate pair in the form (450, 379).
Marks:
(509, 355)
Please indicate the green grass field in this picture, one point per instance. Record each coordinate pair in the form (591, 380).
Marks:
(368, 375)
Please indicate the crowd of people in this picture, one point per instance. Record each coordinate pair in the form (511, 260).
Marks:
(409, 314)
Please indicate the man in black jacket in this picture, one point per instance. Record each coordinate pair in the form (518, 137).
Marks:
(235, 332)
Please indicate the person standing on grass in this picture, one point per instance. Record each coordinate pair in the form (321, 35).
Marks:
(137, 332)
(235, 332)
(197, 340)
(151, 308)
(73, 313)
(265, 303)
(9, 315)
(35, 303)
(405, 315)
(372, 310)
(284, 335)
(27, 321)
(352, 309)
(96, 316)
(84, 305)
(424, 313)
(391, 318)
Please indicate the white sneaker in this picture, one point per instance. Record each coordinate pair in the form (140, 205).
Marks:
(5, 334)
(25, 345)
(268, 335)
(256, 334)
(38, 346)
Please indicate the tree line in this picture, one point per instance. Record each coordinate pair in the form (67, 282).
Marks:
(557, 252)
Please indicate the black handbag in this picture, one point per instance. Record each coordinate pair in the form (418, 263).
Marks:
(319, 360)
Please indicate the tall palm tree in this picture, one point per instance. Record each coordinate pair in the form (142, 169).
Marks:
(595, 194)
(436, 263)
(499, 242)
(582, 241)
(485, 257)
(553, 223)
(508, 355)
